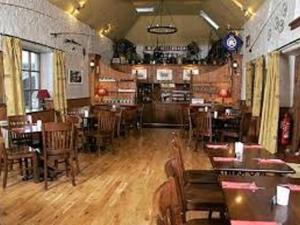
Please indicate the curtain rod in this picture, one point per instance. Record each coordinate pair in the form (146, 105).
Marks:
(32, 42)
(288, 44)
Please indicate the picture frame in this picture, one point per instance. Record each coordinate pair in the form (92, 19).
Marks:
(140, 73)
(186, 76)
(164, 74)
(75, 77)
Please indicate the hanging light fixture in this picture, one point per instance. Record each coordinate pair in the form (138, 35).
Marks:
(160, 27)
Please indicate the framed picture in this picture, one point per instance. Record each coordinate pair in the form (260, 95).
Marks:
(164, 74)
(141, 73)
(75, 77)
(248, 41)
(187, 73)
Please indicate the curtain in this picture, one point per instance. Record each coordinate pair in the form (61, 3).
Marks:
(59, 90)
(258, 87)
(270, 109)
(249, 83)
(12, 65)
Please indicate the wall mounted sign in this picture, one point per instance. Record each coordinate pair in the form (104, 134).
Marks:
(232, 42)
(140, 73)
(164, 74)
(187, 73)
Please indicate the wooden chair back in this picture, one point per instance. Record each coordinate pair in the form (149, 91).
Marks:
(203, 122)
(176, 150)
(129, 115)
(106, 121)
(15, 122)
(166, 210)
(18, 121)
(57, 138)
(245, 124)
(172, 169)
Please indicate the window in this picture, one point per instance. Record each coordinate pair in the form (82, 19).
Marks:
(31, 79)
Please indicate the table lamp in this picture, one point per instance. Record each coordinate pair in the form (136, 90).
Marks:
(101, 92)
(42, 95)
(223, 93)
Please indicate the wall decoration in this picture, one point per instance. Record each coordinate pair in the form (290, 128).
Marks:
(75, 77)
(248, 39)
(187, 73)
(140, 73)
(164, 74)
(232, 42)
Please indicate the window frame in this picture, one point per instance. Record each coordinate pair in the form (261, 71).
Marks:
(30, 71)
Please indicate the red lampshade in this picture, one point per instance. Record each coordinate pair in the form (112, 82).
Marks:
(102, 92)
(224, 93)
(43, 93)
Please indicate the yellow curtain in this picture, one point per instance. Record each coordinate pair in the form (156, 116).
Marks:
(59, 90)
(12, 64)
(249, 83)
(258, 87)
(270, 110)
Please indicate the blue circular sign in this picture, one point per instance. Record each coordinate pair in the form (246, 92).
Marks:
(232, 42)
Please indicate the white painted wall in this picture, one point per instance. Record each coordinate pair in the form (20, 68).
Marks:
(270, 30)
(42, 18)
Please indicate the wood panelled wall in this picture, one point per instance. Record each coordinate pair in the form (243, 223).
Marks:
(151, 70)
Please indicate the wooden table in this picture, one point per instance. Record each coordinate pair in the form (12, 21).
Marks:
(256, 205)
(249, 163)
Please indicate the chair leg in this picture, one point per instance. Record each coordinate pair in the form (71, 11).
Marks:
(45, 174)
(0, 164)
(67, 168)
(70, 162)
(21, 167)
(5, 173)
(77, 161)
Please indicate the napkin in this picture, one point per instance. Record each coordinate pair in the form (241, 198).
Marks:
(216, 146)
(240, 222)
(254, 146)
(292, 187)
(270, 161)
(225, 159)
(282, 195)
(239, 185)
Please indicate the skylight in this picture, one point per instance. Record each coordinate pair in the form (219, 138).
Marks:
(209, 20)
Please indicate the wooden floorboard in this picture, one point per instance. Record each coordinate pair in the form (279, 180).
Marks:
(113, 189)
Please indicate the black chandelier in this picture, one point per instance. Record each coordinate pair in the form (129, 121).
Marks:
(158, 26)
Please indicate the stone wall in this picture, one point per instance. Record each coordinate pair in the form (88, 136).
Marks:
(268, 31)
(34, 20)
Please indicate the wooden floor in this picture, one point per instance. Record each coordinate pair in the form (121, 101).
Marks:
(114, 189)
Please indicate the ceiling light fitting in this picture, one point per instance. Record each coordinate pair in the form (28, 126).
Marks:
(160, 27)
(209, 20)
(144, 9)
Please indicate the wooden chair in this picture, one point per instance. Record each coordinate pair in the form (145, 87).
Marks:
(167, 210)
(191, 176)
(129, 119)
(57, 148)
(241, 133)
(78, 137)
(105, 130)
(13, 155)
(196, 197)
(203, 129)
